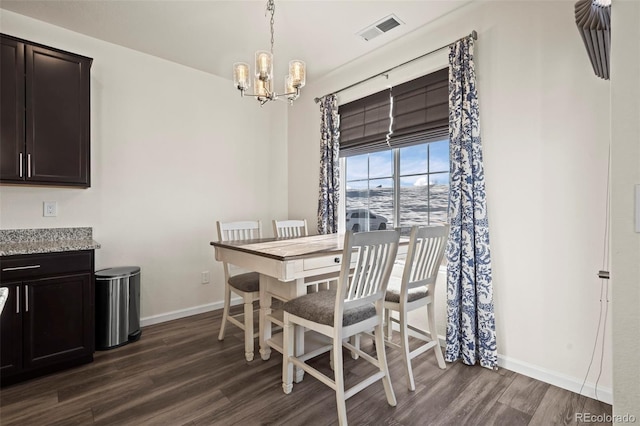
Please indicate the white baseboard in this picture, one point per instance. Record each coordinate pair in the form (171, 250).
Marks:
(183, 313)
(535, 372)
(556, 379)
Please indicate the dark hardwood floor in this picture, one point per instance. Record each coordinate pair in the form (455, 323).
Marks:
(178, 373)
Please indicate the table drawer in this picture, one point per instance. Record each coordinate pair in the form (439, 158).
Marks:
(33, 265)
(321, 262)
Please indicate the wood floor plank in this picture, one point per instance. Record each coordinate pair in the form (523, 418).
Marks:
(504, 415)
(557, 407)
(16, 403)
(435, 398)
(178, 373)
(79, 419)
(157, 401)
(597, 411)
(475, 400)
(524, 394)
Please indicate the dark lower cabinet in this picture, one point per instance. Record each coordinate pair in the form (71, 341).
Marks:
(11, 332)
(48, 320)
(45, 131)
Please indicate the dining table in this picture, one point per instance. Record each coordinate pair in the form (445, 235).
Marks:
(287, 268)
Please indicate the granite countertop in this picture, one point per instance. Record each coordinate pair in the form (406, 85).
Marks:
(46, 240)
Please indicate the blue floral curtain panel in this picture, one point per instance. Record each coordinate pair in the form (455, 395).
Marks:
(329, 166)
(471, 332)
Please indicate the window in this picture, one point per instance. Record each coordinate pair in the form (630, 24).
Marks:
(397, 156)
(421, 174)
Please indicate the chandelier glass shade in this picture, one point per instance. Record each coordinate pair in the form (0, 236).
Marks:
(263, 74)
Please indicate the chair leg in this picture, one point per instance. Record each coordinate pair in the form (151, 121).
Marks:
(388, 323)
(225, 311)
(287, 351)
(404, 344)
(248, 327)
(355, 341)
(338, 372)
(298, 339)
(384, 367)
(331, 363)
(434, 336)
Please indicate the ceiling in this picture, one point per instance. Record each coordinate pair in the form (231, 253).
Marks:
(212, 35)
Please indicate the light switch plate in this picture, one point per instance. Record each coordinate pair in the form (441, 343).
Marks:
(50, 209)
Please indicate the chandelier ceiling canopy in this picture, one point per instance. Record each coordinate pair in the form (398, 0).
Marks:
(263, 73)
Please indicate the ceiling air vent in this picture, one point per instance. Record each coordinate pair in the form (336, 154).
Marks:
(380, 27)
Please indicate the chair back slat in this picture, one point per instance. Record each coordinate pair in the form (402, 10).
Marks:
(242, 230)
(290, 228)
(235, 231)
(426, 251)
(373, 254)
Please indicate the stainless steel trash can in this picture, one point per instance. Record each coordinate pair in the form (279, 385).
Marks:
(117, 306)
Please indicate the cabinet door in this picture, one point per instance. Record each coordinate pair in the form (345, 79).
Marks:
(57, 117)
(12, 147)
(58, 321)
(11, 331)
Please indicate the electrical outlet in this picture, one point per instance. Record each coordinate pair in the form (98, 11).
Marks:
(205, 277)
(50, 209)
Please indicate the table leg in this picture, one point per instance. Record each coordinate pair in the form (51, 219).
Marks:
(299, 289)
(264, 327)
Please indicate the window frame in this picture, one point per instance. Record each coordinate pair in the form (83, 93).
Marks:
(396, 177)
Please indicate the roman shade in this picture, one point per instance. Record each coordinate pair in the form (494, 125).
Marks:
(420, 111)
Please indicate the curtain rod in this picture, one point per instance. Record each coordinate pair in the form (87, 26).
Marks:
(473, 34)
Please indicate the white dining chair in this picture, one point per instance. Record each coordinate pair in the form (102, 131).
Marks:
(246, 285)
(290, 228)
(415, 290)
(354, 307)
(294, 228)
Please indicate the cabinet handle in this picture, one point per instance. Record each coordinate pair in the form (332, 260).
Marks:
(20, 164)
(26, 298)
(28, 165)
(17, 300)
(19, 268)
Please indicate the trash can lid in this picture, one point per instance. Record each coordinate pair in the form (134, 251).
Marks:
(118, 272)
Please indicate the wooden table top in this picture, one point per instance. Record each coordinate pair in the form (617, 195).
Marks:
(287, 248)
(284, 249)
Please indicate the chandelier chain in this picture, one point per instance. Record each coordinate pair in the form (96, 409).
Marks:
(271, 7)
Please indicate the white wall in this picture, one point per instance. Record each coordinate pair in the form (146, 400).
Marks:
(173, 150)
(545, 129)
(168, 142)
(625, 243)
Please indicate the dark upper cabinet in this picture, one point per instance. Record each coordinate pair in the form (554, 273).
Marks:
(45, 129)
(12, 146)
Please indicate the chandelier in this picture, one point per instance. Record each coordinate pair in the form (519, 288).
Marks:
(263, 76)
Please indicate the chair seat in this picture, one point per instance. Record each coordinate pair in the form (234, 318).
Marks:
(248, 282)
(319, 307)
(394, 289)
